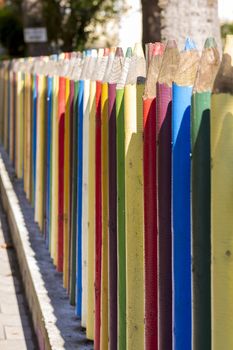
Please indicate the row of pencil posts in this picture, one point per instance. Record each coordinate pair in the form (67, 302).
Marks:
(128, 163)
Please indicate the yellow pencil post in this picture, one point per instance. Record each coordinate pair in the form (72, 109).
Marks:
(134, 202)
(6, 123)
(66, 186)
(91, 216)
(27, 133)
(222, 203)
(104, 263)
(12, 97)
(19, 126)
(39, 191)
(1, 101)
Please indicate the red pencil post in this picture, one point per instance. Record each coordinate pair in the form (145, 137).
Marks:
(150, 207)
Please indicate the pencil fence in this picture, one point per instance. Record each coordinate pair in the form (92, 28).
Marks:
(128, 165)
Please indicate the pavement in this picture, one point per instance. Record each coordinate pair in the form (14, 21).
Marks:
(16, 330)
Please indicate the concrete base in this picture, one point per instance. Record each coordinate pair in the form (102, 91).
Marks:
(54, 319)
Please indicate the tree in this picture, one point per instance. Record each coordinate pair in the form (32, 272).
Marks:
(11, 31)
(165, 19)
(70, 23)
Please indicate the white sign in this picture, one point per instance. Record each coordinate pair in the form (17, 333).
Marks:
(35, 35)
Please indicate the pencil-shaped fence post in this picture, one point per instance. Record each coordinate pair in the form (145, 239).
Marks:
(98, 200)
(121, 235)
(112, 197)
(40, 150)
(201, 247)
(54, 189)
(134, 212)
(221, 125)
(150, 197)
(163, 131)
(104, 337)
(79, 272)
(85, 184)
(181, 210)
(48, 158)
(73, 239)
(34, 116)
(92, 203)
(19, 125)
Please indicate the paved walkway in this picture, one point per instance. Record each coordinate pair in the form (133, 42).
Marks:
(16, 332)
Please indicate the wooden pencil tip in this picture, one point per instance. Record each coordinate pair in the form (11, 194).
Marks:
(93, 53)
(228, 49)
(171, 44)
(100, 52)
(129, 52)
(112, 50)
(106, 51)
(79, 54)
(138, 51)
(210, 43)
(189, 45)
(158, 49)
(119, 52)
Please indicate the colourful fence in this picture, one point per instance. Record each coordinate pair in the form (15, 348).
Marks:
(102, 142)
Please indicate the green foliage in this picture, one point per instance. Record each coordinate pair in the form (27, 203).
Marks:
(70, 23)
(11, 31)
(226, 28)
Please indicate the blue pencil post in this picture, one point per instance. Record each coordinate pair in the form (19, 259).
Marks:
(79, 190)
(79, 201)
(181, 147)
(34, 118)
(48, 158)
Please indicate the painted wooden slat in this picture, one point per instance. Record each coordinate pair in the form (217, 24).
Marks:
(19, 126)
(71, 104)
(134, 221)
(34, 134)
(73, 253)
(66, 183)
(163, 130)
(201, 246)
(100, 70)
(120, 151)
(221, 125)
(61, 140)
(48, 159)
(182, 92)
(40, 148)
(54, 189)
(150, 198)
(85, 184)
(104, 334)
(91, 214)
(114, 76)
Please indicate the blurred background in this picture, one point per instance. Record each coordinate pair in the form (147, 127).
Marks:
(35, 27)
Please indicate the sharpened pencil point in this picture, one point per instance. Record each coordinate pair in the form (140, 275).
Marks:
(138, 51)
(129, 52)
(171, 44)
(189, 45)
(210, 43)
(119, 52)
(158, 49)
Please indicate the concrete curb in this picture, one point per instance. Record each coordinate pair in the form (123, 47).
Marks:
(46, 330)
